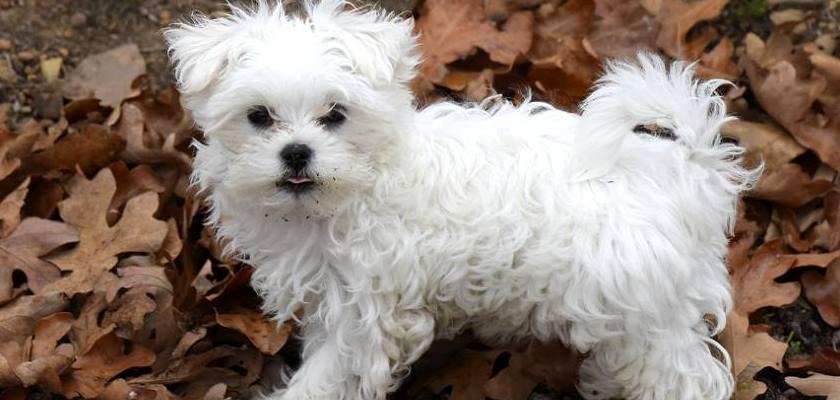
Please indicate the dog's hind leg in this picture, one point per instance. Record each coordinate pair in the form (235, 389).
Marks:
(667, 365)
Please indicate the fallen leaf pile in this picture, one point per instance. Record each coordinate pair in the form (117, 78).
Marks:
(111, 288)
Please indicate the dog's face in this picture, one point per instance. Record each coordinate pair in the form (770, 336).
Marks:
(297, 111)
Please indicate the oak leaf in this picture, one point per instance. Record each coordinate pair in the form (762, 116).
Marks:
(789, 99)
(48, 358)
(622, 28)
(107, 76)
(754, 286)
(823, 291)
(677, 17)
(119, 389)
(551, 364)
(825, 360)
(267, 335)
(89, 149)
(466, 374)
(452, 30)
(142, 145)
(782, 181)
(91, 372)
(10, 209)
(18, 318)
(33, 238)
(817, 385)
(99, 245)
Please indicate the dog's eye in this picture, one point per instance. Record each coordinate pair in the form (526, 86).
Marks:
(259, 117)
(334, 118)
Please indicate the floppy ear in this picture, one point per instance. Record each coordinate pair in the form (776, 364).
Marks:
(201, 50)
(381, 45)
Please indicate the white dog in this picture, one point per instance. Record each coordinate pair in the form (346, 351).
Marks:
(391, 226)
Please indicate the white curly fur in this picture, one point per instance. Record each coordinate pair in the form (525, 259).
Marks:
(513, 221)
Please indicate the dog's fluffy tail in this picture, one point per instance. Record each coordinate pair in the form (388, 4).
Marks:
(645, 92)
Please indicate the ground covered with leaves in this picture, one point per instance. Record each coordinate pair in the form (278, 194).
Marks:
(111, 288)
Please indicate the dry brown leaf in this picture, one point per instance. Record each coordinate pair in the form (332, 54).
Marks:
(452, 30)
(187, 341)
(12, 354)
(216, 392)
(45, 371)
(215, 245)
(163, 117)
(789, 98)
(22, 251)
(817, 385)
(563, 67)
(210, 277)
(677, 17)
(823, 291)
(129, 312)
(825, 361)
(751, 345)
(172, 244)
(779, 47)
(229, 372)
(746, 386)
(622, 29)
(790, 186)
(813, 259)
(754, 286)
(718, 63)
(782, 182)
(107, 76)
(89, 149)
(87, 208)
(91, 372)
(18, 318)
(572, 19)
(10, 209)
(7, 165)
(567, 76)
(42, 199)
(90, 326)
(47, 359)
(145, 313)
(475, 85)
(130, 184)
(48, 331)
(831, 205)
(15, 146)
(552, 364)
(763, 143)
(119, 389)
(267, 335)
(466, 374)
(196, 374)
(791, 234)
(144, 147)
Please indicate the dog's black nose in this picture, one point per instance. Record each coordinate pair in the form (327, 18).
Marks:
(296, 156)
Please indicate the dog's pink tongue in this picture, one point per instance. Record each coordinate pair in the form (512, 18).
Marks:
(298, 179)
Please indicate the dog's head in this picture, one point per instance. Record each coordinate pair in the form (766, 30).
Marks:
(297, 110)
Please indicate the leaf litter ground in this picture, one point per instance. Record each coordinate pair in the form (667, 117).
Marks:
(111, 288)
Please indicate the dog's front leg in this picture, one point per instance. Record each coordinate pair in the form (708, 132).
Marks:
(357, 358)
(326, 372)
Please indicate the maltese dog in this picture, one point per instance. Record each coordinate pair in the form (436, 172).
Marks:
(389, 226)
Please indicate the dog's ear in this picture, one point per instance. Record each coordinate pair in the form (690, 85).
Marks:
(202, 49)
(381, 45)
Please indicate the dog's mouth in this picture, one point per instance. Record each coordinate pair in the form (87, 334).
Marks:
(296, 184)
